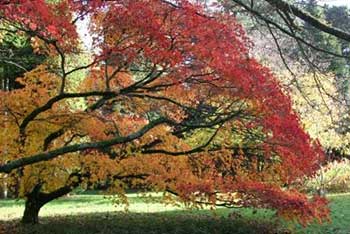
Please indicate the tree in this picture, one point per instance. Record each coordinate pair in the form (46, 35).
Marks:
(305, 25)
(287, 41)
(171, 100)
(17, 56)
(289, 12)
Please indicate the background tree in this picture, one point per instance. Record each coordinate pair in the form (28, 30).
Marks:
(304, 39)
(17, 56)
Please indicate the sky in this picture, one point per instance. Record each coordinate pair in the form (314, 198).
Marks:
(82, 28)
(335, 2)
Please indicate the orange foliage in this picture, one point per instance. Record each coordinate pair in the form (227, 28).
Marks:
(226, 133)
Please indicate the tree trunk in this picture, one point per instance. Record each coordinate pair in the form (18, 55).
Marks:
(5, 191)
(37, 199)
(4, 187)
(31, 211)
(32, 206)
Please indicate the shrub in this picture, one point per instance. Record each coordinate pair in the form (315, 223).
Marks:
(333, 177)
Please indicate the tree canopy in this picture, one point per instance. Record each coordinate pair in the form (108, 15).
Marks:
(171, 100)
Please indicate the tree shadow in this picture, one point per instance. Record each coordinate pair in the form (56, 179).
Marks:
(172, 222)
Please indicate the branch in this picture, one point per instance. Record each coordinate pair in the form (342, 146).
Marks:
(52, 136)
(279, 49)
(82, 67)
(58, 98)
(42, 198)
(15, 64)
(308, 18)
(197, 149)
(285, 31)
(21, 162)
(63, 66)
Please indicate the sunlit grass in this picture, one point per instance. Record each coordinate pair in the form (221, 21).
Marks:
(97, 214)
(78, 204)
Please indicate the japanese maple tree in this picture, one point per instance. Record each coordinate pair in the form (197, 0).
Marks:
(171, 100)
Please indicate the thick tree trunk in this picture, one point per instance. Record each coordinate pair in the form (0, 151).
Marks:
(37, 199)
(33, 204)
(31, 211)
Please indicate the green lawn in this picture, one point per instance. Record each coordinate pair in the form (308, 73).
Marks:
(81, 204)
(90, 214)
(340, 213)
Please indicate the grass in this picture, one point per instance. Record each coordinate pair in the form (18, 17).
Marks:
(92, 214)
(80, 204)
(340, 215)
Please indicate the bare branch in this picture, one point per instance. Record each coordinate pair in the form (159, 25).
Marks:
(308, 18)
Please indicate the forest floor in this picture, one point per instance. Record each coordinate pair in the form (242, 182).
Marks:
(92, 214)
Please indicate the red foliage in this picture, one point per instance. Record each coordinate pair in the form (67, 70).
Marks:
(51, 22)
(200, 59)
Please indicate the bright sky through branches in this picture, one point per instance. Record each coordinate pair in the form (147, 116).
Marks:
(335, 2)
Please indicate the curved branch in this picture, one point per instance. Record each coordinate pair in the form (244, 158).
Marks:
(17, 163)
(58, 98)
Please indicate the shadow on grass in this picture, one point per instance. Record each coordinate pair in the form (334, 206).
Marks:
(170, 222)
